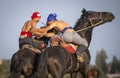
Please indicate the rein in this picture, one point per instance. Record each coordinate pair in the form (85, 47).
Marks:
(92, 25)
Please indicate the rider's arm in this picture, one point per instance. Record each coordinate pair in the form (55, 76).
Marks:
(49, 34)
(26, 26)
(36, 31)
(49, 27)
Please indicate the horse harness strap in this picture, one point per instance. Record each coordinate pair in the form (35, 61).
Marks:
(92, 25)
(77, 66)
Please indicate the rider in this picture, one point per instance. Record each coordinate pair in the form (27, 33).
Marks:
(68, 34)
(28, 31)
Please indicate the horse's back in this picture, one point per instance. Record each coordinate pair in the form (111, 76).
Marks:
(57, 52)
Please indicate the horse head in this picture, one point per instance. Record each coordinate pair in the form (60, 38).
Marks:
(89, 20)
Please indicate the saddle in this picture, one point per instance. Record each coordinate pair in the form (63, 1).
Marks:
(58, 41)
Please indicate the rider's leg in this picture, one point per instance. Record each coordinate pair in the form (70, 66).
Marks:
(27, 42)
(81, 42)
(82, 46)
(23, 41)
(39, 44)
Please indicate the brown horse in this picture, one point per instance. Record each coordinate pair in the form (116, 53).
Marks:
(93, 73)
(57, 61)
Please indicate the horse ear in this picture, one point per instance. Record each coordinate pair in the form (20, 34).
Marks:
(84, 12)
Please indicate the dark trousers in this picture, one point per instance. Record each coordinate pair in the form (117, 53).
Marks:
(30, 41)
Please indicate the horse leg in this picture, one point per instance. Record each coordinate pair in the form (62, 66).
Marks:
(15, 75)
(73, 75)
(57, 74)
(56, 69)
(40, 73)
(83, 73)
(42, 69)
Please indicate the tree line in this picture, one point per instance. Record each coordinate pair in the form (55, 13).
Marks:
(112, 67)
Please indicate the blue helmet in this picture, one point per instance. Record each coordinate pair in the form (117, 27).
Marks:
(51, 17)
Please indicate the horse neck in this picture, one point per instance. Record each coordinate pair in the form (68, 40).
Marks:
(87, 34)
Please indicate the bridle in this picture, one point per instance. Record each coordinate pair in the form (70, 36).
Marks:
(91, 23)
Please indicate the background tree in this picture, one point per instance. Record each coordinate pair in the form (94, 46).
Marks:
(115, 65)
(101, 62)
(4, 69)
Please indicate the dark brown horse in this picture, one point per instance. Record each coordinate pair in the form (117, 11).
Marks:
(24, 62)
(57, 61)
(93, 73)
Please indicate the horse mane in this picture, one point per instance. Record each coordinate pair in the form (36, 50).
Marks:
(79, 22)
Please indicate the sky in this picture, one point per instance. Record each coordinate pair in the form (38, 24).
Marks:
(14, 13)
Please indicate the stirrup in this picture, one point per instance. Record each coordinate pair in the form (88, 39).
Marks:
(80, 58)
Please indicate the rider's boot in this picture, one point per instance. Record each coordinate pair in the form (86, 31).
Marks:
(81, 55)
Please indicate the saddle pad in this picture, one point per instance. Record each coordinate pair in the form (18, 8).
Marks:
(70, 49)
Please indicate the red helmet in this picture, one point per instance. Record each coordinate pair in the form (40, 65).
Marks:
(36, 15)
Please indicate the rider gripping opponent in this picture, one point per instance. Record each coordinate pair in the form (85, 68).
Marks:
(68, 35)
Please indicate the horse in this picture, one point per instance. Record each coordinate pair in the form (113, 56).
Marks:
(57, 61)
(24, 62)
(93, 73)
